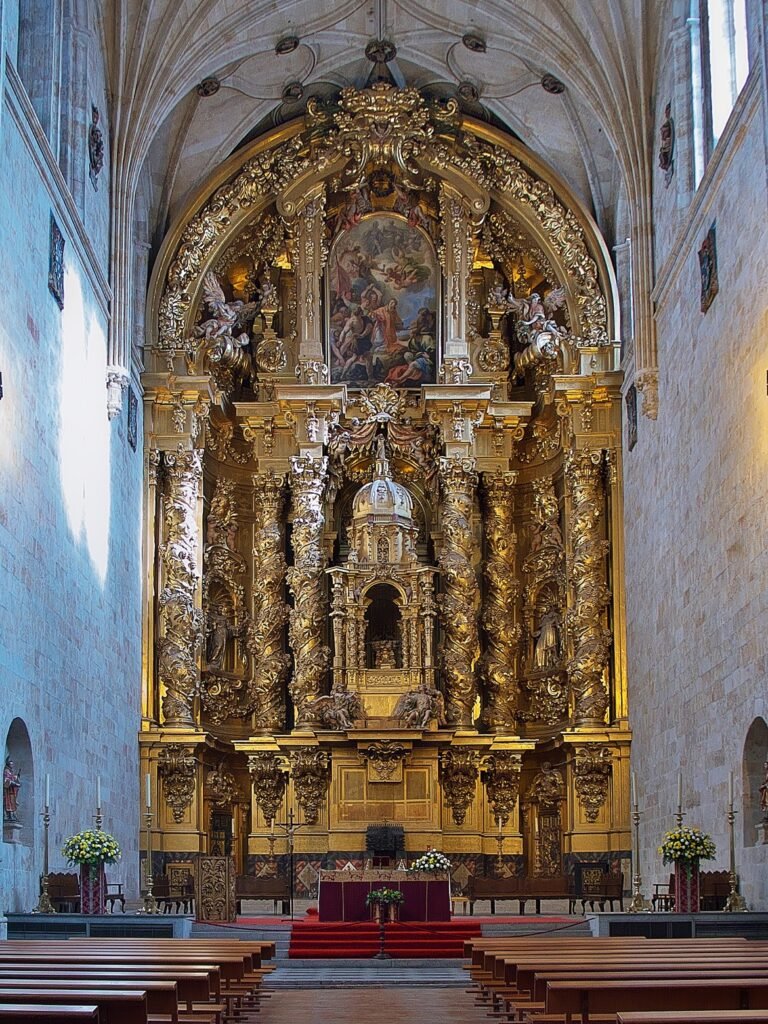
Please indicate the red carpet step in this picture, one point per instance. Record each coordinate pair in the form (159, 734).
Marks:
(360, 939)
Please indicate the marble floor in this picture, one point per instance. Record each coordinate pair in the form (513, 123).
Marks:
(383, 1005)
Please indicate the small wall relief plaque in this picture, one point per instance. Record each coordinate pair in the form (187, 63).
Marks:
(708, 269)
(56, 263)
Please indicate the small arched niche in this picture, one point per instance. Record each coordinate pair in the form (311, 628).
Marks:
(18, 797)
(754, 775)
(382, 627)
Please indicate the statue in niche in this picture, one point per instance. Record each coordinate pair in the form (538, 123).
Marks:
(667, 145)
(764, 793)
(547, 650)
(95, 147)
(384, 653)
(219, 629)
(11, 787)
(417, 708)
(548, 787)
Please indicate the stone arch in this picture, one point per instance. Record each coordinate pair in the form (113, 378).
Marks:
(38, 59)
(754, 774)
(18, 749)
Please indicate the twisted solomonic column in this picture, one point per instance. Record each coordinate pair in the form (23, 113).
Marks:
(265, 633)
(181, 629)
(590, 636)
(306, 579)
(460, 598)
(498, 663)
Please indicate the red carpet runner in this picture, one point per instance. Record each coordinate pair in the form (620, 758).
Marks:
(360, 939)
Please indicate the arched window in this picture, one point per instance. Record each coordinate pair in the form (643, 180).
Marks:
(720, 65)
(39, 59)
(754, 775)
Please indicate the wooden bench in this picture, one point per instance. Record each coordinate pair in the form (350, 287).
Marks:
(609, 889)
(695, 1017)
(115, 1006)
(178, 897)
(250, 887)
(64, 892)
(521, 889)
(63, 1014)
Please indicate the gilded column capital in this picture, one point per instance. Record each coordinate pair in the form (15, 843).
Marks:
(501, 770)
(458, 775)
(592, 769)
(310, 771)
(269, 780)
(177, 767)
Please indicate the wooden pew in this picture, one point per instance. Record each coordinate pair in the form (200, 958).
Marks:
(695, 1017)
(116, 1006)
(18, 1013)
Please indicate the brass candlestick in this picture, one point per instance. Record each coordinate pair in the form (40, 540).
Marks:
(99, 819)
(272, 861)
(735, 904)
(679, 816)
(150, 903)
(499, 859)
(44, 905)
(639, 904)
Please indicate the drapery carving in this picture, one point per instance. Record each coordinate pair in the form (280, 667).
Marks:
(309, 773)
(181, 623)
(502, 769)
(264, 637)
(590, 636)
(459, 601)
(176, 766)
(592, 768)
(305, 578)
(502, 633)
(269, 782)
(458, 773)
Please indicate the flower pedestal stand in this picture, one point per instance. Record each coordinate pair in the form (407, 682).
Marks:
(686, 887)
(93, 889)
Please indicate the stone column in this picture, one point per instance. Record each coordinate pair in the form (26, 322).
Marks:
(265, 638)
(590, 637)
(498, 616)
(460, 598)
(180, 621)
(305, 578)
(340, 653)
(309, 253)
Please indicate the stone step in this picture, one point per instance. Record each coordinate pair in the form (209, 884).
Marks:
(297, 974)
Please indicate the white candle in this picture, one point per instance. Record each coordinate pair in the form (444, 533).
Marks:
(47, 789)
(730, 789)
(273, 826)
(679, 791)
(98, 791)
(498, 822)
(149, 790)
(634, 789)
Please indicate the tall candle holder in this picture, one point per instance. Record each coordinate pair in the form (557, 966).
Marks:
(290, 828)
(735, 904)
(150, 903)
(272, 862)
(499, 857)
(639, 904)
(44, 905)
(99, 819)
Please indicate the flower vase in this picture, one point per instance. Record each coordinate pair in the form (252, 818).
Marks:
(376, 912)
(686, 887)
(93, 889)
(393, 913)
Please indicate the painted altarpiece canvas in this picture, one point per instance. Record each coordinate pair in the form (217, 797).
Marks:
(383, 297)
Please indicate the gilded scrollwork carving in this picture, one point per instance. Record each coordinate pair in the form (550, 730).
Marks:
(310, 771)
(502, 634)
(501, 770)
(181, 622)
(592, 769)
(548, 787)
(590, 636)
(305, 578)
(458, 775)
(269, 780)
(221, 786)
(264, 635)
(458, 604)
(177, 767)
(384, 757)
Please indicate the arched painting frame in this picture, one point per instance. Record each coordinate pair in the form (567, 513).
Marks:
(383, 289)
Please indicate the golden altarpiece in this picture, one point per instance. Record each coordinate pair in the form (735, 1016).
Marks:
(383, 563)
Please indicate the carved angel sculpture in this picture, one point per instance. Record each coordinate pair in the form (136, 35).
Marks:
(535, 314)
(216, 334)
(417, 708)
(339, 710)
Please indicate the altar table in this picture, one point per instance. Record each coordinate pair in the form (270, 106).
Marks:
(341, 894)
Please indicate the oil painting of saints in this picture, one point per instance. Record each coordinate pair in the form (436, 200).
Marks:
(383, 295)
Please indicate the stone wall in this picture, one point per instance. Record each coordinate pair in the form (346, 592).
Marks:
(70, 505)
(696, 492)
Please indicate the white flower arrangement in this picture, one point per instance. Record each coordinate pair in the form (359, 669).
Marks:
(431, 861)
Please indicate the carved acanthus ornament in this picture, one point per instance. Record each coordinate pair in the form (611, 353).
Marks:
(264, 636)
(181, 623)
(458, 604)
(458, 774)
(592, 768)
(548, 787)
(221, 786)
(590, 637)
(647, 383)
(310, 768)
(269, 781)
(384, 758)
(502, 633)
(502, 782)
(306, 581)
(177, 767)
